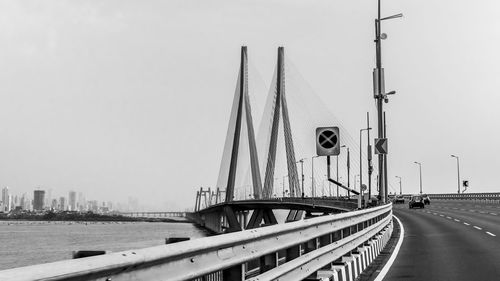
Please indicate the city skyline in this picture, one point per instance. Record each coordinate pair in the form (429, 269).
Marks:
(41, 200)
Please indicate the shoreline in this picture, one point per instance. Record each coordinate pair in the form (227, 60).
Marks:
(84, 217)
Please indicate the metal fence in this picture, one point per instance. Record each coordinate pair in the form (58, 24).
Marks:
(288, 251)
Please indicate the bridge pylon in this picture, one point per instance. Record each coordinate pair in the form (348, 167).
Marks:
(241, 106)
(280, 105)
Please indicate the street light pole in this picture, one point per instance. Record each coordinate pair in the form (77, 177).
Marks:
(458, 172)
(348, 170)
(285, 176)
(400, 189)
(361, 164)
(313, 187)
(380, 96)
(420, 168)
(301, 161)
(369, 149)
(337, 174)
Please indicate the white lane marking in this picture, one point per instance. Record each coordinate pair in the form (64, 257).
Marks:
(477, 227)
(466, 223)
(493, 214)
(434, 214)
(441, 215)
(448, 218)
(455, 208)
(483, 212)
(491, 234)
(394, 254)
(457, 220)
(462, 209)
(472, 210)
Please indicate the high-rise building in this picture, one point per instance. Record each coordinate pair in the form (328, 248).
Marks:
(25, 202)
(39, 200)
(72, 201)
(62, 203)
(6, 200)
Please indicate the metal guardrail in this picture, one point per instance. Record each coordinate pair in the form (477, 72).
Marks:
(293, 249)
(467, 196)
(463, 196)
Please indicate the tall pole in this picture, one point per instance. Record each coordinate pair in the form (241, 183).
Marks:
(458, 172)
(361, 163)
(313, 186)
(348, 173)
(380, 96)
(400, 188)
(348, 164)
(420, 169)
(385, 162)
(302, 172)
(337, 175)
(285, 176)
(370, 168)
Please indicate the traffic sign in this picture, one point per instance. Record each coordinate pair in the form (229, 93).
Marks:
(381, 146)
(327, 141)
(465, 183)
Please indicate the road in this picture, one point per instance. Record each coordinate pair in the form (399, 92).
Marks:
(448, 241)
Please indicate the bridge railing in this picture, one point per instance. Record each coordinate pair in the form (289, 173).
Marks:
(287, 251)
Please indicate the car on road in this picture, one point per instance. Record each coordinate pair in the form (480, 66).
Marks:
(416, 201)
(427, 200)
(399, 199)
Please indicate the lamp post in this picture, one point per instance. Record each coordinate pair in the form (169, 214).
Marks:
(313, 187)
(458, 172)
(380, 95)
(348, 170)
(400, 189)
(360, 159)
(285, 176)
(301, 161)
(420, 168)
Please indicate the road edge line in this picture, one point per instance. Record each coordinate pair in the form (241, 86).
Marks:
(394, 254)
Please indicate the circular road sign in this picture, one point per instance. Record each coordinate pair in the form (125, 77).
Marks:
(327, 139)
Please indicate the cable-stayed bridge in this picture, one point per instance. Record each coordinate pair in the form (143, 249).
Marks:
(291, 232)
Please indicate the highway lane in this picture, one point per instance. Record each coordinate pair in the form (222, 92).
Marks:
(481, 218)
(439, 246)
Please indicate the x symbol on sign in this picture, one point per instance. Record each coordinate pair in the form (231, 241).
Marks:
(328, 139)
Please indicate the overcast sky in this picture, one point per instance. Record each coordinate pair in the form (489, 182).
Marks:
(132, 98)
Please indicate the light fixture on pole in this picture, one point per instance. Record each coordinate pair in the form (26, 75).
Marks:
(420, 168)
(458, 172)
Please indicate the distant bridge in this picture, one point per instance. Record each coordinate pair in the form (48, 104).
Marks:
(154, 214)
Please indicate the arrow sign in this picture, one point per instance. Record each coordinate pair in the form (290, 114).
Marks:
(381, 146)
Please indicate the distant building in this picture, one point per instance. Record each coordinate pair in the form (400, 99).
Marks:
(6, 200)
(62, 204)
(25, 202)
(72, 201)
(38, 200)
(54, 205)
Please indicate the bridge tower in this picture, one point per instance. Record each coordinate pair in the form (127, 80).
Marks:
(280, 103)
(242, 104)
